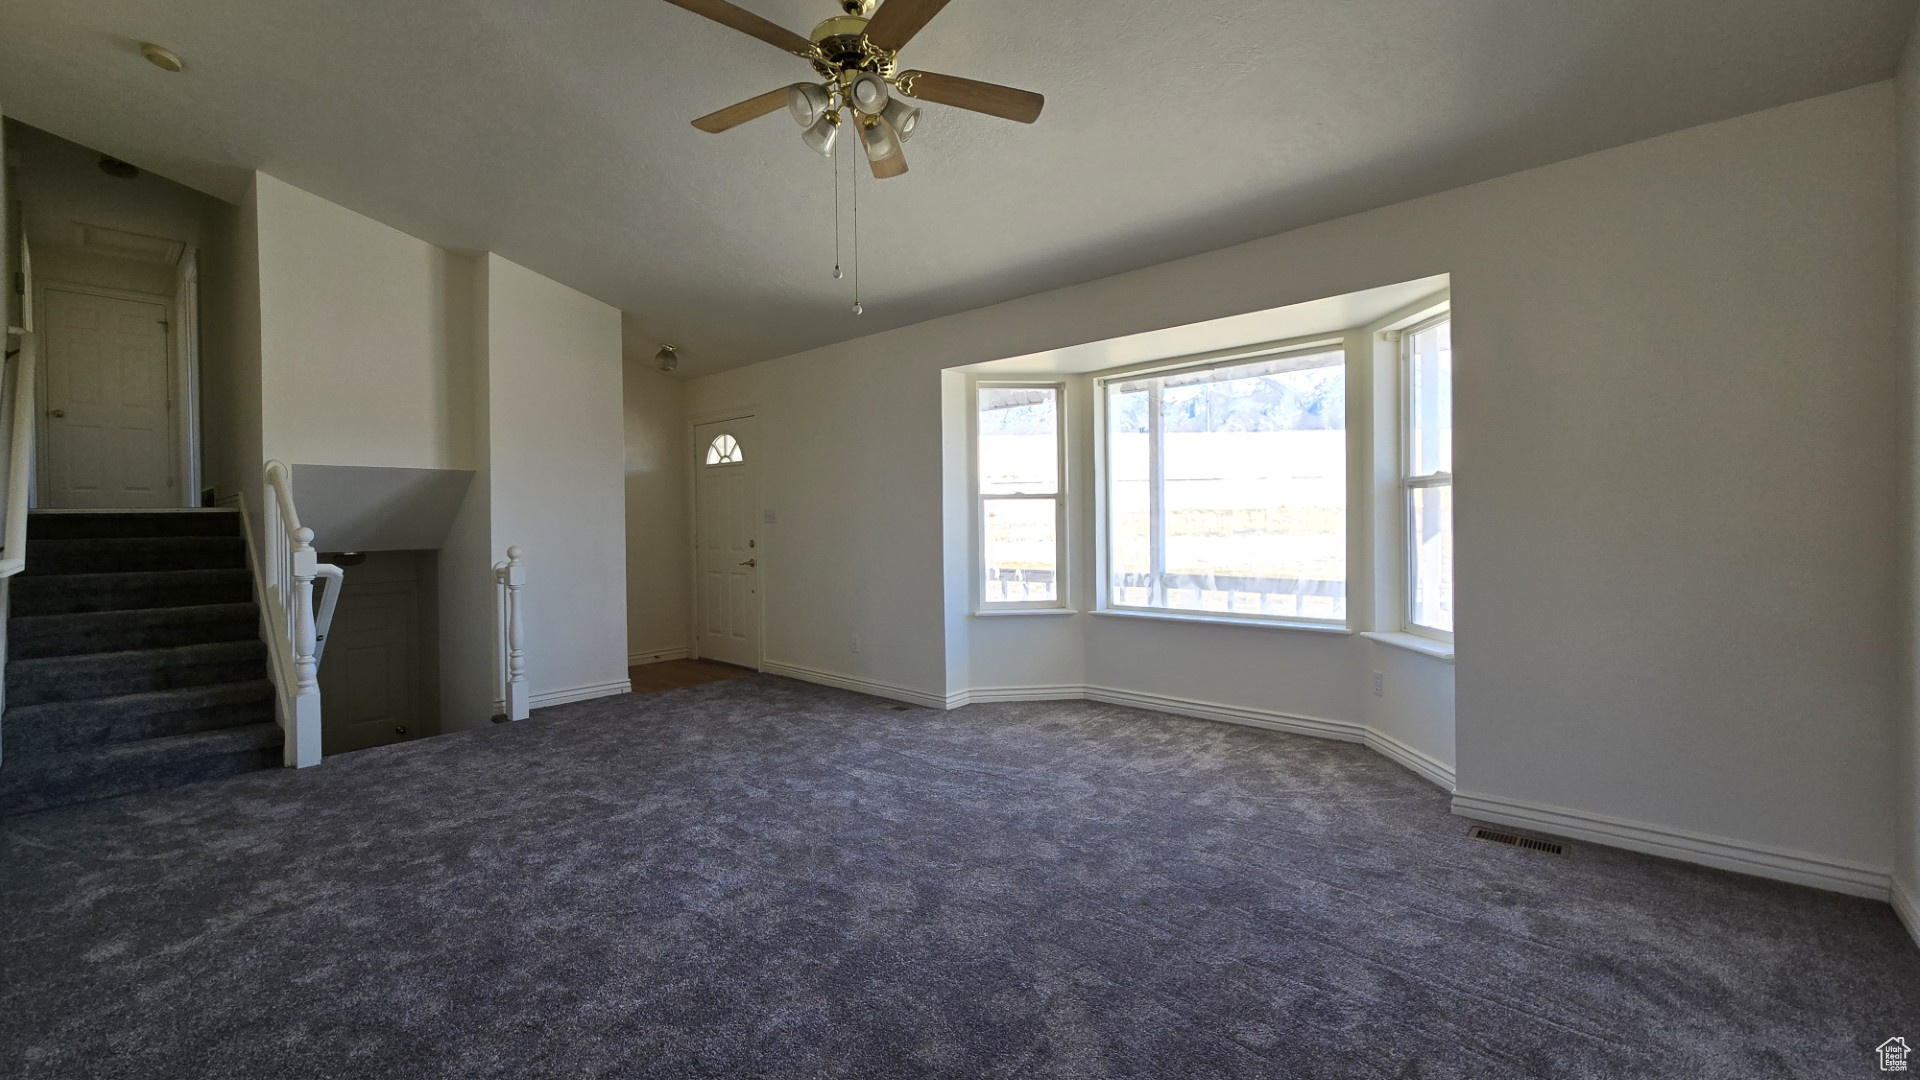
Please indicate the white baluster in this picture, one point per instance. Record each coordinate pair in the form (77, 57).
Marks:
(515, 579)
(304, 567)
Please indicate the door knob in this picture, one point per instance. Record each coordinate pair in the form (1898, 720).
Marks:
(751, 562)
(57, 413)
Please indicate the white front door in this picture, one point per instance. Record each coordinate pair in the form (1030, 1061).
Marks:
(727, 540)
(109, 439)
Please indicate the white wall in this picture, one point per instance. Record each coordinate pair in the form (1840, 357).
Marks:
(378, 349)
(363, 329)
(556, 437)
(469, 618)
(230, 405)
(1908, 815)
(1679, 438)
(857, 548)
(659, 577)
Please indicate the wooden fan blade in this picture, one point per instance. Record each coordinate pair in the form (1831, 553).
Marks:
(899, 20)
(748, 23)
(751, 109)
(887, 168)
(981, 97)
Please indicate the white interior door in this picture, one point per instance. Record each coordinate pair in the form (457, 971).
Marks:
(109, 435)
(727, 540)
(369, 677)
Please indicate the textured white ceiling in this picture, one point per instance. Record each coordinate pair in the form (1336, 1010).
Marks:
(556, 133)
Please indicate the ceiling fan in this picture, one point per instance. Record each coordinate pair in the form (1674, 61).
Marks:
(857, 58)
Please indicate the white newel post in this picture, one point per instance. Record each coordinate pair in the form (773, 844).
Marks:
(304, 748)
(514, 576)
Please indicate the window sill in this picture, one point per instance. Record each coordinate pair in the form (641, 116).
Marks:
(1227, 620)
(1013, 612)
(1426, 646)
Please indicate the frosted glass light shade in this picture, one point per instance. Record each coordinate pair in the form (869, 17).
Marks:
(868, 93)
(903, 117)
(822, 134)
(806, 103)
(879, 138)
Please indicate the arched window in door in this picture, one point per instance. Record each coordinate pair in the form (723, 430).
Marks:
(725, 450)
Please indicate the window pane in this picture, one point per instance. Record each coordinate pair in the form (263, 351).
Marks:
(1020, 440)
(1128, 505)
(1252, 499)
(1430, 400)
(725, 451)
(1020, 551)
(1430, 562)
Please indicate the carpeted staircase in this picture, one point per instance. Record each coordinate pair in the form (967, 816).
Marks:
(134, 659)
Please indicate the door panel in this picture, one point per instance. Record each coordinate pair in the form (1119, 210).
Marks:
(370, 676)
(727, 540)
(109, 431)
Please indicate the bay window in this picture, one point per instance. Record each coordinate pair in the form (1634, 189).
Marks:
(1226, 488)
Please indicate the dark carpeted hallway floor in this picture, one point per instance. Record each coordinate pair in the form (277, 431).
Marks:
(759, 878)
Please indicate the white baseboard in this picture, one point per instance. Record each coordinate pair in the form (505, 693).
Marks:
(1421, 764)
(1906, 904)
(1760, 860)
(1341, 730)
(580, 693)
(657, 656)
(855, 683)
(986, 695)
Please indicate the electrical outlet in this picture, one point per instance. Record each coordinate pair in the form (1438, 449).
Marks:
(856, 642)
(1379, 683)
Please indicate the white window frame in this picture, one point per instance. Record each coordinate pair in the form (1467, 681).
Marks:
(981, 605)
(1320, 344)
(1410, 482)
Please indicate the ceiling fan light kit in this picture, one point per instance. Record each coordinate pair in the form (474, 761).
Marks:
(857, 56)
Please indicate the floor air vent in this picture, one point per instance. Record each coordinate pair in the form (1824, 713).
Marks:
(1525, 843)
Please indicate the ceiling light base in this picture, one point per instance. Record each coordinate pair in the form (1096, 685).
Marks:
(844, 51)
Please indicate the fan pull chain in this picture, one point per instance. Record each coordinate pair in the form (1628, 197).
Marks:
(857, 308)
(835, 157)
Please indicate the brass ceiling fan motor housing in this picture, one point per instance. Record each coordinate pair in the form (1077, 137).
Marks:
(844, 50)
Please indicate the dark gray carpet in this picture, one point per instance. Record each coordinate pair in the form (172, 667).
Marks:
(762, 878)
(134, 659)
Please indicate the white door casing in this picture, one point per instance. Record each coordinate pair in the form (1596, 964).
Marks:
(109, 431)
(727, 541)
(186, 378)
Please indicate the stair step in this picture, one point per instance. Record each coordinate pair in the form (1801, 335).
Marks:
(74, 678)
(59, 726)
(67, 524)
(36, 636)
(122, 554)
(65, 594)
(104, 772)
